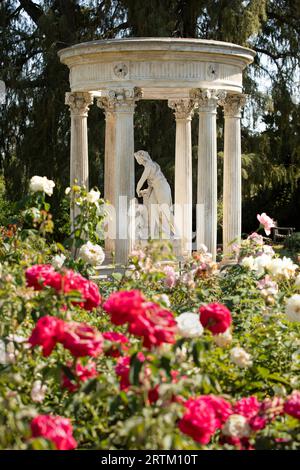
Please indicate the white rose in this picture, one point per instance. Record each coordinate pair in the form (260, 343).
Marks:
(38, 391)
(92, 254)
(8, 353)
(188, 325)
(236, 426)
(17, 338)
(240, 357)
(67, 190)
(262, 263)
(297, 281)
(248, 262)
(282, 267)
(292, 309)
(2, 353)
(93, 196)
(58, 261)
(268, 250)
(223, 339)
(41, 183)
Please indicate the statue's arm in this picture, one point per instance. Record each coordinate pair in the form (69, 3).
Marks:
(142, 180)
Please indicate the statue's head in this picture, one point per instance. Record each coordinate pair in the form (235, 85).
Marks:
(142, 157)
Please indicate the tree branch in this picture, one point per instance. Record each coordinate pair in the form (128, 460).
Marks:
(32, 9)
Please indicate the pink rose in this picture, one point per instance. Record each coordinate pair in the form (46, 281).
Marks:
(199, 420)
(266, 222)
(215, 317)
(171, 276)
(56, 429)
(292, 405)
(42, 275)
(81, 374)
(247, 407)
(221, 407)
(256, 238)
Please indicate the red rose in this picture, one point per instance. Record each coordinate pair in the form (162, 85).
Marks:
(292, 405)
(89, 290)
(122, 370)
(221, 407)
(124, 306)
(92, 296)
(240, 444)
(247, 407)
(56, 429)
(257, 422)
(42, 275)
(146, 319)
(198, 421)
(215, 317)
(118, 343)
(81, 373)
(155, 324)
(153, 394)
(47, 333)
(82, 339)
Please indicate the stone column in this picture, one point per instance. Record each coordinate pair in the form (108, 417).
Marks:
(109, 164)
(79, 103)
(184, 110)
(207, 196)
(122, 104)
(232, 190)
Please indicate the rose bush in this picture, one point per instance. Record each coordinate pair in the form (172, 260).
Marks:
(155, 358)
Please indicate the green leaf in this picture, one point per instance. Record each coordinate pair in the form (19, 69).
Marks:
(135, 369)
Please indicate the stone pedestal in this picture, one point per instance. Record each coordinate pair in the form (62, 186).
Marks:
(232, 191)
(183, 175)
(207, 196)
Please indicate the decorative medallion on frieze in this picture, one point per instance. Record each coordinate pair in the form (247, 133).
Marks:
(121, 70)
(212, 71)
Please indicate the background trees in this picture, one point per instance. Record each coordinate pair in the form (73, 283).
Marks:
(34, 122)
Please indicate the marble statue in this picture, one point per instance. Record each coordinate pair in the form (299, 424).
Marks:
(157, 197)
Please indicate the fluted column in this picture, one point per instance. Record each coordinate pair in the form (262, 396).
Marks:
(184, 110)
(79, 103)
(109, 165)
(207, 196)
(232, 184)
(122, 104)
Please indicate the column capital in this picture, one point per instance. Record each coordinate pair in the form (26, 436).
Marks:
(233, 104)
(207, 99)
(183, 108)
(79, 102)
(119, 99)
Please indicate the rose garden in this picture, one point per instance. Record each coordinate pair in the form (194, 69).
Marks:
(153, 358)
(139, 313)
